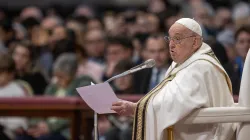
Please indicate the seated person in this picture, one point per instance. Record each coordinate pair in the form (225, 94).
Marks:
(63, 85)
(26, 67)
(64, 81)
(10, 126)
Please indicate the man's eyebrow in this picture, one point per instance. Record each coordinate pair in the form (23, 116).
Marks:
(177, 35)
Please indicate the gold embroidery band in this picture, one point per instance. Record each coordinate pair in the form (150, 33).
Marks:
(211, 54)
(139, 128)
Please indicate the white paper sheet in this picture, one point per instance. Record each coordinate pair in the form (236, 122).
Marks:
(99, 97)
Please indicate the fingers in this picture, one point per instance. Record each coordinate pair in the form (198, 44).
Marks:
(123, 107)
(116, 108)
(118, 103)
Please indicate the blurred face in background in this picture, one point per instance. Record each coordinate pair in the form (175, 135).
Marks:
(156, 48)
(222, 17)
(156, 6)
(31, 12)
(242, 44)
(115, 53)
(39, 36)
(153, 23)
(94, 24)
(21, 56)
(124, 83)
(58, 33)
(95, 43)
(109, 22)
(61, 79)
(201, 15)
(50, 22)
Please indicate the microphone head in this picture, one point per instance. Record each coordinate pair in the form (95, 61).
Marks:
(150, 63)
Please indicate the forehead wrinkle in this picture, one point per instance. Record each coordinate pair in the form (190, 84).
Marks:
(179, 30)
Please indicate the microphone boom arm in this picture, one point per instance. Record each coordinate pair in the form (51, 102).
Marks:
(132, 70)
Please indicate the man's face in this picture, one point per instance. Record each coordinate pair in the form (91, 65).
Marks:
(243, 44)
(58, 33)
(222, 17)
(156, 48)
(181, 43)
(95, 43)
(115, 52)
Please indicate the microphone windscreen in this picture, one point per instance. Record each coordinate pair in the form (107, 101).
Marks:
(150, 63)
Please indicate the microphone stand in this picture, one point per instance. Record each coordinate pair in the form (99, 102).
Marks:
(132, 70)
(96, 135)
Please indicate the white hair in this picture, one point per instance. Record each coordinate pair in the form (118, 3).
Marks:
(66, 63)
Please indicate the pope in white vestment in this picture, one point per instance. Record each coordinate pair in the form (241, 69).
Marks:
(198, 82)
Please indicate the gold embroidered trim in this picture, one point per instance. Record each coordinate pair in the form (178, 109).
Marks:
(211, 53)
(170, 133)
(139, 128)
(229, 83)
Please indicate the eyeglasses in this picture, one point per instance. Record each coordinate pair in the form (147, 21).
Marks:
(175, 39)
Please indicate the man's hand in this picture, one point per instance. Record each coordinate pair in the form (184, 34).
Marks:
(124, 108)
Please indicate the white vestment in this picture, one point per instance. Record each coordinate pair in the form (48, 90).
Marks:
(199, 82)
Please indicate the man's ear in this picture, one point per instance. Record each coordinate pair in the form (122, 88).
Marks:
(195, 43)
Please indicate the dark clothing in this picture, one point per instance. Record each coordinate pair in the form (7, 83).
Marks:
(44, 58)
(220, 53)
(36, 80)
(239, 64)
(3, 136)
(142, 81)
(233, 69)
(62, 46)
(233, 73)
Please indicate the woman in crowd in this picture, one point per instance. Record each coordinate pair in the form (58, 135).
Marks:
(9, 87)
(27, 69)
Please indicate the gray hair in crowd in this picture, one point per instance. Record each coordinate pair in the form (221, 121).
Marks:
(66, 63)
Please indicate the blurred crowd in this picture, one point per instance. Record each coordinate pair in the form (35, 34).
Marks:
(46, 53)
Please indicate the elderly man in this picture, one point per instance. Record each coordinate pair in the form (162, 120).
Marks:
(194, 80)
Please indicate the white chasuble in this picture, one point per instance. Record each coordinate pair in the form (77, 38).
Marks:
(199, 82)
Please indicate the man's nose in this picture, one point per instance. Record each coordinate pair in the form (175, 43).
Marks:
(171, 44)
